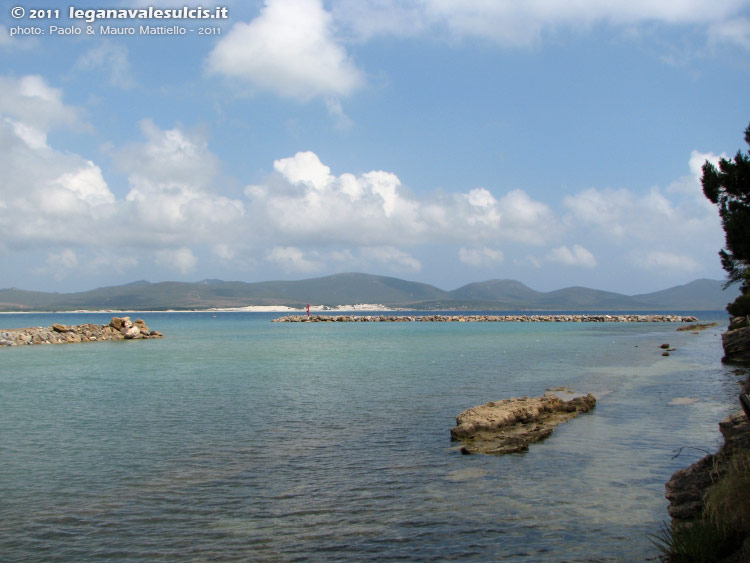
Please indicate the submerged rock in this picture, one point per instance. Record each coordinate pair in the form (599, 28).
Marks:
(510, 425)
(697, 327)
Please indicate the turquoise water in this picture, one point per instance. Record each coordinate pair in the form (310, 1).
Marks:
(234, 438)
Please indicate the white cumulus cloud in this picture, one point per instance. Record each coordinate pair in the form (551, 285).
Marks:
(170, 155)
(172, 196)
(373, 209)
(52, 199)
(480, 256)
(305, 217)
(33, 102)
(294, 260)
(305, 168)
(575, 256)
(47, 195)
(638, 226)
(181, 259)
(289, 49)
(87, 183)
(60, 265)
(67, 259)
(111, 59)
(662, 260)
(393, 257)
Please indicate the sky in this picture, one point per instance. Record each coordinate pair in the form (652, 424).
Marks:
(555, 142)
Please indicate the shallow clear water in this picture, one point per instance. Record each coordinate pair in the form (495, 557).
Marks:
(237, 438)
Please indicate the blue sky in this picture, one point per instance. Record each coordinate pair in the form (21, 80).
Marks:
(554, 142)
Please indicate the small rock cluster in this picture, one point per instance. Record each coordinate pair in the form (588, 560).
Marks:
(119, 328)
(667, 349)
(510, 425)
(488, 318)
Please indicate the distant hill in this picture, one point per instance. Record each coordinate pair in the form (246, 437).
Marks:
(585, 298)
(510, 291)
(349, 288)
(353, 288)
(705, 294)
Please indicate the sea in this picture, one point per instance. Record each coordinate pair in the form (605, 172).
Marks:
(237, 439)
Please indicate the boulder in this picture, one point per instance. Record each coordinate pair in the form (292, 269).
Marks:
(131, 332)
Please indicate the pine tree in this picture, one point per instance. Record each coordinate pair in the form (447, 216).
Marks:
(728, 187)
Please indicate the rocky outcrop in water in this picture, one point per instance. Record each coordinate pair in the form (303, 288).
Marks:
(488, 318)
(119, 328)
(510, 425)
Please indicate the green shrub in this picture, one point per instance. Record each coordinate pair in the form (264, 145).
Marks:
(728, 501)
(691, 542)
(724, 527)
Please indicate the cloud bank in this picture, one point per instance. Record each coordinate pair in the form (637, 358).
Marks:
(303, 218)
(522, 24)
(300, 50)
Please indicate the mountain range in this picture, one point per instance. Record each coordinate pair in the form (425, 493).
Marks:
(354, 288)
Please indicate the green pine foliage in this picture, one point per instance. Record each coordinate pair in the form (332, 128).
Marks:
(728, 187)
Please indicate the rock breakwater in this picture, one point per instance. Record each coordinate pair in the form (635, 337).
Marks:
(119, 328)
(510, 425)
(628, 318)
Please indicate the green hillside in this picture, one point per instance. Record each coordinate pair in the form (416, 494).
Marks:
(354, 288)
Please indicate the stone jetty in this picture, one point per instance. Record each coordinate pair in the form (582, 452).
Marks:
(119, 328)
(627, 318)
(510, 425)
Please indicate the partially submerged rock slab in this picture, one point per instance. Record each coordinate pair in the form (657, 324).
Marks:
(510, 425)
(119, 328)
(697, 327)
